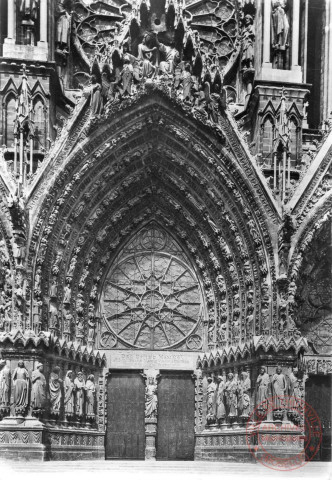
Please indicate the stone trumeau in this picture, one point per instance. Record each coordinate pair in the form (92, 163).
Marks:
(165, 228)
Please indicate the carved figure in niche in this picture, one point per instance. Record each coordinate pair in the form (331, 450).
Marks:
(220, 405)
(79, 328)
(236, 329)
(222, 332)
(91, 329)
(172, 58)
(80, 389)
(38, 391)
(210, 401)
(145, 55)
(151, 398)
(280, 24)
(221, 283)
(231, 390)
(19, 249)
(53, 316)
(63, 27)
(90, 396)
(295, 395)
(96, 102)
(38, 281)
(69, 390)
(263, 381)
(53, 289)
(67, 294)
(4, 384)
(248, 40)
(186, 83)
(127, 76)
(244, 395)
(21, 388)
(55, 391)
(279, 388)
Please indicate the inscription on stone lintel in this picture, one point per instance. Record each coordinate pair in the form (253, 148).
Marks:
(157, 360)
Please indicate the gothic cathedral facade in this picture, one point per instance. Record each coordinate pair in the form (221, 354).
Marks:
(165, 230)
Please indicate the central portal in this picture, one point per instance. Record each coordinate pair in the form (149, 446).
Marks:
(126, 409)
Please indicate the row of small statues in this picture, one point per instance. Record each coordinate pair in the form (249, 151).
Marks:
(230, 399)
(74, 396)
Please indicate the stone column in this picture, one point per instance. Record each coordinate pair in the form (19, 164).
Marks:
(11, 22)
(295, 34)
(43, 22)
(151, 411)
(267, 32)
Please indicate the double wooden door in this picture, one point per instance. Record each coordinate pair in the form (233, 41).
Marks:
(125, 436)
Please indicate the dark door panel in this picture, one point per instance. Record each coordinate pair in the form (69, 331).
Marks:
(125, 434)
(176, 412)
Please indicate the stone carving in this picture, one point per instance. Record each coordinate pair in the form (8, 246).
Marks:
(231, 391)
(280, 24)
(262, 384)
(248, 40)
(21, 388)
(244, 395)
(210, 401)
(38, 390)
(220, 400)
(69, 398)
(90, 397)
(80, 395)
(151, 398)
(55, 383)
(279, 390)
(4, 387)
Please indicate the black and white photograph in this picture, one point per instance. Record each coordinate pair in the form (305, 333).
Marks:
(165, 239)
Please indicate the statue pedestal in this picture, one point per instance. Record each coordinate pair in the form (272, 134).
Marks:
(29, 439)
(150, 438)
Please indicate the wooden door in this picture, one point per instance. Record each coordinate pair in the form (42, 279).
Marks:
(176, 411)
(125, 433)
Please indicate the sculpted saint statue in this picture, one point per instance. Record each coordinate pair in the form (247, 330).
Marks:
(231, 390)
(80, 387)
(4, 383)
(244, 394)
(279, 386)
(38, 391)
(151, 399)
(21, 390)
(210, 402)
(90, 396)
(220, 410)
(262, 383)
(280, 24)
(69, 389)
(55, 390)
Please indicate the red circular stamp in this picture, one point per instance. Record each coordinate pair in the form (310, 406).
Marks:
(283, 433)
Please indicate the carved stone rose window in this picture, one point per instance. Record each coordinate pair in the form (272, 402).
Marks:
(152, 298)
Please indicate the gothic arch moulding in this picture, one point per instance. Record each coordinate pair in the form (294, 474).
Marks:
(143, 164)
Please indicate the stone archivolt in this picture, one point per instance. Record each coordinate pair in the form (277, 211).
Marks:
(175, 173)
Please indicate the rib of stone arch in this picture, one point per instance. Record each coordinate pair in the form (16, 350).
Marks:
(92, 231)
(237, 170)
(71, 145)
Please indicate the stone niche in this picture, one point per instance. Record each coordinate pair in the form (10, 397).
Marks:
(243, 406)
(54, 411)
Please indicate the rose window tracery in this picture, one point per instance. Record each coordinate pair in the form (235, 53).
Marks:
(152, 297)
